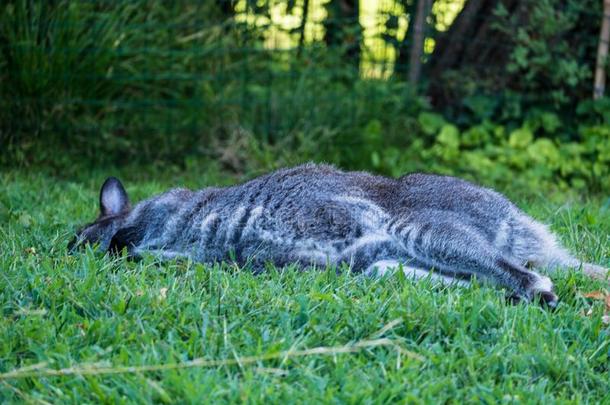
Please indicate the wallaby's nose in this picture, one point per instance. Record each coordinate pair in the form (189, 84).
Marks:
(73, 245)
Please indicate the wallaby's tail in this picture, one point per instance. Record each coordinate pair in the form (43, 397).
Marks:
(595, 271)
(539, 247)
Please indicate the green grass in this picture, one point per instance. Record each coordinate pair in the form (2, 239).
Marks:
(448, 344)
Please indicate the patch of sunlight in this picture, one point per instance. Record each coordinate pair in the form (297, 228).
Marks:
(280, 28)
(445, 12)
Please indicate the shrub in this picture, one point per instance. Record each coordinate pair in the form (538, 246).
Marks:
(111, 80)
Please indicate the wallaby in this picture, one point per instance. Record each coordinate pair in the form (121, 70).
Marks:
(316, 215)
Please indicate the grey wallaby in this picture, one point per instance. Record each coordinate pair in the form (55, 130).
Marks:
(316, 215)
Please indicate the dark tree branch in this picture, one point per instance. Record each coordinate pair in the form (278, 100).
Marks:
(419, 31)
(302, 27)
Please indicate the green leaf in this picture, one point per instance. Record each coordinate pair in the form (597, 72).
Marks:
(482, 107)
(372, 131)
(520, 138)
(449, 136)
(544, 151)
(474, 136)
(430, 123)
(375, 159)
(550, 122)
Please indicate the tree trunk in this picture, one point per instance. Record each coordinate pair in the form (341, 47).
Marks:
(602, 54)
(343, 30)
(227, 8)
(472, 43)
(419, 31)
(302, 27)
(401, 66)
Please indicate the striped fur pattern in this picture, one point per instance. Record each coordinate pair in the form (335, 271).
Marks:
(316, 215)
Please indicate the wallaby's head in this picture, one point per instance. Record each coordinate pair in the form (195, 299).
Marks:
(114, 207)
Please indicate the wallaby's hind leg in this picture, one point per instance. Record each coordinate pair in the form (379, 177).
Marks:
(535, 244)
(440, 240)
(384, 267)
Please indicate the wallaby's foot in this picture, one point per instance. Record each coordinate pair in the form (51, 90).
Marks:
(547, 299)
(540, 291)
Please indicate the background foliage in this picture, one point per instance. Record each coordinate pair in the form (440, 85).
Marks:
(505, 86)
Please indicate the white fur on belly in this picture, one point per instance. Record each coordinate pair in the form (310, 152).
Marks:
(383, 267)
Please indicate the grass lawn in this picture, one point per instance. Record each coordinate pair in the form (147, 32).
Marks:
(285, 336)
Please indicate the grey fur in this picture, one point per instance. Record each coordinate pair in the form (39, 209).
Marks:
(318, 215)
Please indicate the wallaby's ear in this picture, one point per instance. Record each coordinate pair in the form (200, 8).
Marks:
(113, 197)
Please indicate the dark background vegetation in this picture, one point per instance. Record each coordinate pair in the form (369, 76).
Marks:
(504, 90)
